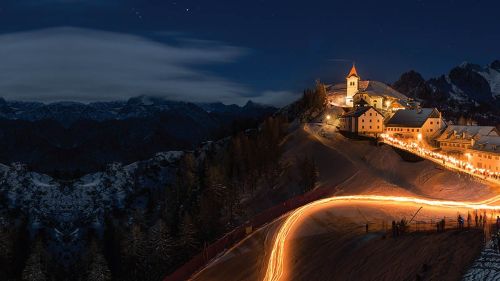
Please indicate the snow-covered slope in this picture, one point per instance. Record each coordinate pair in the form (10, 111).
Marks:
(492, 74)
(67, 211)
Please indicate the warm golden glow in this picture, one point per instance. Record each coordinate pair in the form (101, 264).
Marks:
(328, 117)
(275, 268)
(445, 160)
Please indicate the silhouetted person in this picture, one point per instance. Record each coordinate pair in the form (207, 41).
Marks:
(468, 219)
(394, 229)
(460, 222)
(476, 219)
(366, 226)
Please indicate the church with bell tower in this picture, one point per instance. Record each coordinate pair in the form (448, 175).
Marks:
(355, 92)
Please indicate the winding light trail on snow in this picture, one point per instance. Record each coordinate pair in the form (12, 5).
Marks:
(275, 266)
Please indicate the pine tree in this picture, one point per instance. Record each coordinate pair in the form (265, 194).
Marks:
(98, 269)
(160, 240)
(188, 236)
(162, 248)
(134, 252)
(5, 244)
(33, 271)
(320, 96)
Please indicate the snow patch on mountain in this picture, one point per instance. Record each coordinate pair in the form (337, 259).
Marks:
(493, 77)
(67, 210)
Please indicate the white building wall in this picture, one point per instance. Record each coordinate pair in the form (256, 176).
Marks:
(485, 160)
(371, 122)
(352, 89)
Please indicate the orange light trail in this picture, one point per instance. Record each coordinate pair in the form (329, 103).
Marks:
(275, 267)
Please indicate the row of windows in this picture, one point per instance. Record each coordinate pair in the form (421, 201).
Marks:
(480, 166)
(352, 83)
(363, 120)
(402, 130)
(362, 127)
(486, 156)
(454, 145)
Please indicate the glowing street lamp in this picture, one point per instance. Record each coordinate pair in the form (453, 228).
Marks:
(328, 117)
(419, 137)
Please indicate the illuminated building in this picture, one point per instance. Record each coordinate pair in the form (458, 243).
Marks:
(363, 120)
(374, 93)
(456, 139)
(417, 124)
(485, 153)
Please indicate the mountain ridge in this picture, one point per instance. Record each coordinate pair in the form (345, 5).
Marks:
(468, 90)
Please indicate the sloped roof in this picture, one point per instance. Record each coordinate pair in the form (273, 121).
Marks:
(379, 89)
(353, 72)
(411, 117)
(362, 102)
(373, 88)
(453, 132)
(488, 143)
(358, 111)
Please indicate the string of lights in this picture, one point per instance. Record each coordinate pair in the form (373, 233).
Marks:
(446, 160)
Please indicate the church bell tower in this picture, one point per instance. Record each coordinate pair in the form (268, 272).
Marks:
(352, 86)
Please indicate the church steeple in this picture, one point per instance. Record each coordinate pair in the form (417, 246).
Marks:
(353, 72)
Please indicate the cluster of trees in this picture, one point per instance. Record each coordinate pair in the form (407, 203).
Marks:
(310, 106)
(200, 206)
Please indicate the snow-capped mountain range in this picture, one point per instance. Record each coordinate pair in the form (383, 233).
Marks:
(468, 90)
(471, 82)
(68, 113)
(76, 138)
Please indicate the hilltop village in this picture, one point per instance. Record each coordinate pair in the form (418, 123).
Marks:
(374, 109)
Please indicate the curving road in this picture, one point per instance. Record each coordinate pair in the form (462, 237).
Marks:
(276, 265)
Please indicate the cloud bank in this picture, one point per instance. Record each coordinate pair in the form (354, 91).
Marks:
(88, 65)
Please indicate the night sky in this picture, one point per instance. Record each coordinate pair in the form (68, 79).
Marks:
(231, 51)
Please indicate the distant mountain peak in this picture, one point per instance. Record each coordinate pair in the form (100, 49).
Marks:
(495, 65)
(252, 104)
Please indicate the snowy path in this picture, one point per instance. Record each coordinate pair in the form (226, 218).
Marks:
(486, 267)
